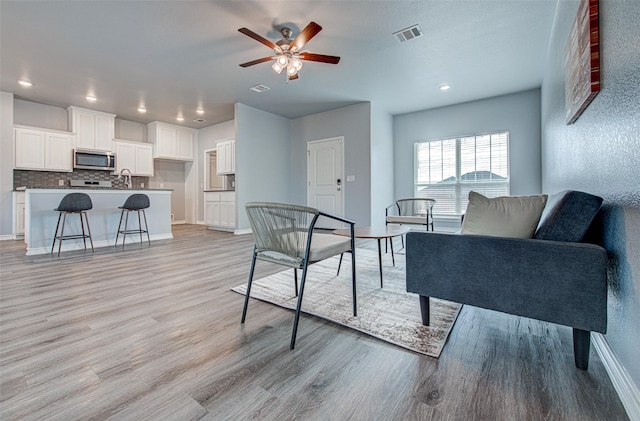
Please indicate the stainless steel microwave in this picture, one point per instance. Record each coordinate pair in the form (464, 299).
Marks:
(94, 160)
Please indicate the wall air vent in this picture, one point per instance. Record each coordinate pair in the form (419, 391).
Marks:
(408, 33)
(259, 88)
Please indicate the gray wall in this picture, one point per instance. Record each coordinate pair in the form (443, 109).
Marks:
(262, 157)
(519, 113)
(6, 163)
(381, 163)
(171, 175)
(40, 115)
(208, 137)
(600, 154)
(354, 123)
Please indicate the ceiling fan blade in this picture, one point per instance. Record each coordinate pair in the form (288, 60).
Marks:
(259, 38)
(305, 36)
(320, 57)
(258, 61)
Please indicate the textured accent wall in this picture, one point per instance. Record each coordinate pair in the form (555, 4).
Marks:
(51, 178)
(600, 154)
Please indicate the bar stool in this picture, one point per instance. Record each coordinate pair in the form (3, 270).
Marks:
(135, 203)
(71, 203)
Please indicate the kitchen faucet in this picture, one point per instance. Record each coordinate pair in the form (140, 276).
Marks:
(127, 181)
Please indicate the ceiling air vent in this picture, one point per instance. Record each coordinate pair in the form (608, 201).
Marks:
(199, 120)
(259, 88)
(408, 33)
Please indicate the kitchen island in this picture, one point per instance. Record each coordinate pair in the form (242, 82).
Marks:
(41, 219)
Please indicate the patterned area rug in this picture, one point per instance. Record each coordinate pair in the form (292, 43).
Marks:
(388, 313)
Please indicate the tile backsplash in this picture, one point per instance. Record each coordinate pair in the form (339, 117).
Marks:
(51, 178)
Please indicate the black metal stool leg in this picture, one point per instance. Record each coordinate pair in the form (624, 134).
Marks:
(55, 235)
(64, 221)
(84, 234)
(126, 225)
(119, 226)
(146, 227)
(88, 230)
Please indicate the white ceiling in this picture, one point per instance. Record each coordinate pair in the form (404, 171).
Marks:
(174, 56)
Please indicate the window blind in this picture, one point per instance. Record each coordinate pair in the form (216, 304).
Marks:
(448, 169)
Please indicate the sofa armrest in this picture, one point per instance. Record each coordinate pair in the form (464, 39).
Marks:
(559, 282)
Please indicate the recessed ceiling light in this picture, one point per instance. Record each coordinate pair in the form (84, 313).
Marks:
(91, 98)
(200, 111)
(180, 118)
(445, 87)
(142, 110)
(25, 83)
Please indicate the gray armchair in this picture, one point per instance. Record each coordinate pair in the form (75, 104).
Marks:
(552, 277)
(284, 234)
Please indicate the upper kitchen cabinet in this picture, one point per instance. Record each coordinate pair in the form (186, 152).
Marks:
(171, 142)
(135, 156)
(42, 150)
(94, 130)
(226, 157)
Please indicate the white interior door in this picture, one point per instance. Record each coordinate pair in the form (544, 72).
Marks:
(324, 179)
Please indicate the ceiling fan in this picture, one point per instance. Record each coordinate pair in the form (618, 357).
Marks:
(288, 54)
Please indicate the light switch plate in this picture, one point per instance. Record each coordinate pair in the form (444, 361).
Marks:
(61, 183)
(351, 178)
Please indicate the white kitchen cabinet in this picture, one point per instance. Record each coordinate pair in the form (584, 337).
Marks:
(135, 156)
(220, 210)
(226, 157)
(94, 130)
(42, 150)
(171, 142)
(18, 213)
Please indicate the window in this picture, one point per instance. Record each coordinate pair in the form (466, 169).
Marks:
(448, 169)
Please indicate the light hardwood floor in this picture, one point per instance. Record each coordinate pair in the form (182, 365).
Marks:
(154, 333)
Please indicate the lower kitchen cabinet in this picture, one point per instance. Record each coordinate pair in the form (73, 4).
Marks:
(18, 213)
(220, 210)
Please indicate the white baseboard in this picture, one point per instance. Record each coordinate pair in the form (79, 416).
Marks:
(243, 231)
(627, 390)
(96, 244)
(182, 221)
(8, 237)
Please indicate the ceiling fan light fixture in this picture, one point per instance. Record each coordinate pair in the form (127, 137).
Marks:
(291, 70)
(276, 66)
(296, 63)
(282, 61)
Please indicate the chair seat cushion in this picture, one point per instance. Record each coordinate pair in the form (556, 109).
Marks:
(326, 245)
(416, 220)
(323, 246)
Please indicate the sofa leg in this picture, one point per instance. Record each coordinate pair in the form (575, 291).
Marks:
(581, 345)
(424, 309)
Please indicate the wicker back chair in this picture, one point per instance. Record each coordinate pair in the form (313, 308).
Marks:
(413, 211)
(284, 234)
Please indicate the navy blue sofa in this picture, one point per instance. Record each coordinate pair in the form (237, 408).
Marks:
(552, 277)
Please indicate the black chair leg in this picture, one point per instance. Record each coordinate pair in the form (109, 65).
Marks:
(581, 346)
(64, 221)
(298, 306)
(339, 264)
(353, 278)
(146, 227)
(119, 226)
(88, 230)
(246, 297)
(84, 234)
(55, 235)
(424, 309)
(295, 279)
